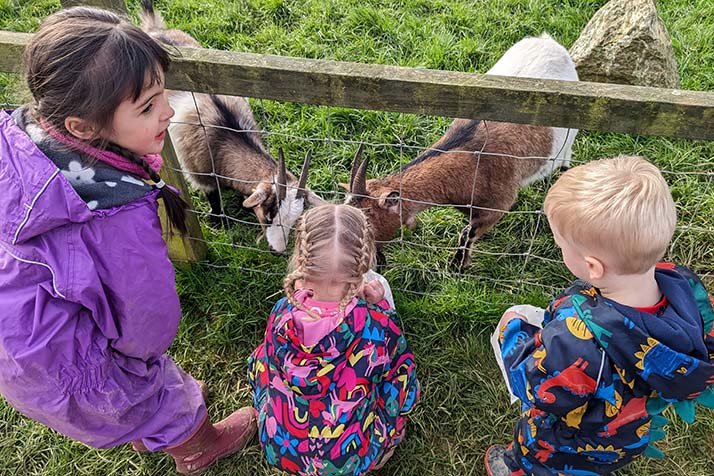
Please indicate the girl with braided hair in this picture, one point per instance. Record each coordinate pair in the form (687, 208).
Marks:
(334, 377)
(87, 292)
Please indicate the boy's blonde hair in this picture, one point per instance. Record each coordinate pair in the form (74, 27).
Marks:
(620, 209)
(333, 242)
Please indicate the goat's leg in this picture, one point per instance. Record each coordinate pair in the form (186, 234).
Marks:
(462, 259)
(381, 259)
(481, 222)
(217, 216)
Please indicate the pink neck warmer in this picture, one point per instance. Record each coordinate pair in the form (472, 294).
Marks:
(115, 160)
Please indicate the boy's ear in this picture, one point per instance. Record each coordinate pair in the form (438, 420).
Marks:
(596, 268)
(80, 128)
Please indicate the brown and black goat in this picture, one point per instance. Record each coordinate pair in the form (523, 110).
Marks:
(219, 146)
(477, 166)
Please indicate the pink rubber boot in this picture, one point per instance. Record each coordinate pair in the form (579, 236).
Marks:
(211, 442)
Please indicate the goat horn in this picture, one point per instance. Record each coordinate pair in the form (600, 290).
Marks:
(355, 165)
(359, 185)
(280, 186)
(303, 175)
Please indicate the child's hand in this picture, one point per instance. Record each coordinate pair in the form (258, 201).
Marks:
(507, 317)
(372, 292)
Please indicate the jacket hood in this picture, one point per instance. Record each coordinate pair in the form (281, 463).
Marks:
(34, 196)
(666, 352)
(336, 361)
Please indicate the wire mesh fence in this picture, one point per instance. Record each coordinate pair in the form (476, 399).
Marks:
(516, 258)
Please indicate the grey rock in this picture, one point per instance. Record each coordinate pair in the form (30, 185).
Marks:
(626, 42)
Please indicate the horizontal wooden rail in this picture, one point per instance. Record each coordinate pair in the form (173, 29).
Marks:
(589, 106)
(11, 47)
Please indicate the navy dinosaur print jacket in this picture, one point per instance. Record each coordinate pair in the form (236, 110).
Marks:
(595, 379)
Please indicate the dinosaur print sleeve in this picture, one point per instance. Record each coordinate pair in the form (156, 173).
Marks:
(556, 369)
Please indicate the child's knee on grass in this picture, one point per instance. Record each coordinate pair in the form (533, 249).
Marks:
(507, 317)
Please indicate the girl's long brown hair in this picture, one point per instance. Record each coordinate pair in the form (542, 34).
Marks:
(84, 62)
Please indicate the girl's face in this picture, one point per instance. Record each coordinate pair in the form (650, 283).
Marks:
(140, 125)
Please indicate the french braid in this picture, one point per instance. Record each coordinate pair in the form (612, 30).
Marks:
(175, 206)
(297, 262)
(331, 236)
(361, 247)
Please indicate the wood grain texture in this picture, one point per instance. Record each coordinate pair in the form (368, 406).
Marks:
(192, 246)
(581, 105)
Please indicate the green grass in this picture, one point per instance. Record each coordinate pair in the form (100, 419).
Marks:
(447, 318)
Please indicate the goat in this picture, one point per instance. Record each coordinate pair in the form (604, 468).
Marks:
(229, 153)
(477, 166)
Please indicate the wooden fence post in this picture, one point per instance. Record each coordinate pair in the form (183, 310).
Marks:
(116, 5)
(192, 247)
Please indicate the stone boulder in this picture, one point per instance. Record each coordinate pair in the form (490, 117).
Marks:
(626, 42)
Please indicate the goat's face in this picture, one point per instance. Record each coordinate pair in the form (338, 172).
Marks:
(381, 204)
(285, 214)
(279, 204)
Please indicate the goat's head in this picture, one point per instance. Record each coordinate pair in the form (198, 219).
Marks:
(279, 203)
(377, 198)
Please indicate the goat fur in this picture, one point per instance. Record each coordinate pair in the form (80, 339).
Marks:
(477, 166)
(229, 155)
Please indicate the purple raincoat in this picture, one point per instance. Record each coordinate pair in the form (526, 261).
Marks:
(88, 308)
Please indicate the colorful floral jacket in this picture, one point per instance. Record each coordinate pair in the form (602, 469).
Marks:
(339, 406)
(595, 379)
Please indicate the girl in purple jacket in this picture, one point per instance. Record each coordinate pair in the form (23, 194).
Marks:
(87, 293)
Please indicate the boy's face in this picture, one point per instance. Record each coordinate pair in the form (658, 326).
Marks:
(573, 256)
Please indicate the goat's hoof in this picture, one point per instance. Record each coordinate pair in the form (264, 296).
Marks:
(459, 264)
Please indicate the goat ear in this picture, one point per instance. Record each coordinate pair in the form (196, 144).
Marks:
(313, 199)
(389, 200)
(257, 197)
(344, 186)
(260, 214)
